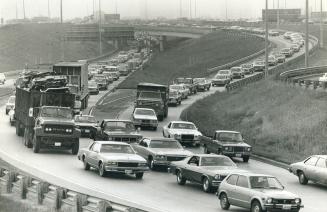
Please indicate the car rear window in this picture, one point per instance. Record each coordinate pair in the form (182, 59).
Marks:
(242, 182)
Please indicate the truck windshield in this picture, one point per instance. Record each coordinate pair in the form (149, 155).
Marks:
(216, 161)
(118, 126)
(165, 144)
(230, 137)
(115, 148)
(151, 95)
(57, 112)
(265, 182)
(85, 119)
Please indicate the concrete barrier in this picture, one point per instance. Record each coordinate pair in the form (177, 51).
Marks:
(20, 186)
(96, 205)
(73, 201)
(53, 197)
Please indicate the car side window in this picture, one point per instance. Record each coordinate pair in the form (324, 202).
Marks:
(194, 160)
(322, 163)
(232, 179)
(242, 181)
(94, 147)
(215, 136)
(311, 161)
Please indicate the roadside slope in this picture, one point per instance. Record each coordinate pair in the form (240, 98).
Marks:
(193, 57)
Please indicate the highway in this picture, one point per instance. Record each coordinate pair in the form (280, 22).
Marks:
(158, 189)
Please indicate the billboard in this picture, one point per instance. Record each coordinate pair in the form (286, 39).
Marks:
(286, 15)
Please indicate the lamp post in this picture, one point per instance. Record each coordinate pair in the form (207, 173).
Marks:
(266, 39)
(100, 36)
(306, 33)
(321, 27)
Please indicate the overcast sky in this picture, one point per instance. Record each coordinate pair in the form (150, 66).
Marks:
(149, 8)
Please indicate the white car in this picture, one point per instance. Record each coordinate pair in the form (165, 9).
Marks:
(10, 104)
(2, 78)
(181, 88)
(184, 132)
(323, 78)
(145, 117)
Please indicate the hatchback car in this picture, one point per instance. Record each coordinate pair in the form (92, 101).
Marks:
(256, 192)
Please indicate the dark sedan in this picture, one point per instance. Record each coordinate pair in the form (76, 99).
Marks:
(207, 170)
(87, 124)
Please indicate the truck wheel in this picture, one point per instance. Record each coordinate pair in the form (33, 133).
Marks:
(139, 175)
(75, 148)
(180, 179)
(246, 159)
(27, 140)
(36, 144)
(18, 129)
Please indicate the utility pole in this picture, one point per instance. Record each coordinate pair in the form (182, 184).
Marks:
(306, 33)
(190, 9)
(321, 27)
(180, 8)
(16, 10)
(194, 8)
(49, 9)
(24, 8)
(226, 7)
(100, 36)
(277, 14)
(61, 20)
(146, 9)
(116, 6)
(266, 40)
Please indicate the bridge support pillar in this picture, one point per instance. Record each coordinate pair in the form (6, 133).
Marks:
(162, 42)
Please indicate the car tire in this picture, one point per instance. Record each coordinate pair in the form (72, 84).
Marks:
(224, 203)
(154, 128)
(256, 206)
(139, 175)
(151, 164)
(101, 170)
(86, 165)
(246, 159)
(206, 185)
(36, 144)
(180, 179)
(75, 147)
(205, 150)
(302, 178)
(27, 141)
(7, 111)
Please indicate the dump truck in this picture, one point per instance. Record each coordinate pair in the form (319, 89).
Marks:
(154, 96)
(44, 113)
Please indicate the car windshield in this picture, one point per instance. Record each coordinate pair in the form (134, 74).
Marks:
(199, 80)
(183, 80)
(230, 137)
(247, 65)
(149, 94)
(56, 112)
(11, 100)
(118, 125)
(223, 72)
(145, 112)
(221, 76)
(216, 161)
(165, 144)
(183, 126)
(92, 84)
(236, 69)
(116, 148)
(85, 119)
(265, 182)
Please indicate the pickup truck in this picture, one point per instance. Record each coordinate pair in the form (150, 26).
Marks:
(189, 82)
(229, 143)
(203, 84)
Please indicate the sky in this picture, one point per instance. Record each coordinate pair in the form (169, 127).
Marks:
(250, 9)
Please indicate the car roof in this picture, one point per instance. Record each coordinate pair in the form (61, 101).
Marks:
(228, 131)
(160, 139)
(116, 120)
(251, 174)
(321, 156)
(84, 116)
(210, 155)
(182, 122)
(113, 142)
(144, 108)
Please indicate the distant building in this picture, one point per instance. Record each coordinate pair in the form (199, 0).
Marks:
(286, 15)
(315, 16)
(109, 18)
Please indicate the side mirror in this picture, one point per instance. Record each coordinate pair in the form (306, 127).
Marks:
(30, 112)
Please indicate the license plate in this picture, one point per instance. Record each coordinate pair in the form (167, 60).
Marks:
(238, 155)
(87, 131)
(128, 172)
(287, 207)
(57, 144)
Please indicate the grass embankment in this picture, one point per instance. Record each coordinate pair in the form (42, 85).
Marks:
(40, 43)
(281, 122)
(192, 57)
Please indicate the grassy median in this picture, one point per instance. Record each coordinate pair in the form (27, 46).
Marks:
(193, 57)
(280, 121)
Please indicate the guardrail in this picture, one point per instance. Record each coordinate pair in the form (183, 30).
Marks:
(302, 72)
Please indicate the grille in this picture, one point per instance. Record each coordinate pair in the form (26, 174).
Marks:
(127, 164)
(58, 129)
(284, 201)
(175, 158)
(145, 121)
(187, 137)
(124, 139)
(238, 149)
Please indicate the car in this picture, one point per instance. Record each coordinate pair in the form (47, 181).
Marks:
(288, 52)
(189, 83)
(220, 80)
(87, 124)
(203, 84)
(229, 143)
(227, 73)
(175, 97)
(160, 151)
(287, 35)
(113, 76)
(102, 81)
(295, 47)
(281, 58)
(247, 68)
(117, 130)
(313, 168)
(184, 132)
(12, 119)
(256, 192)
(237, 72)
(110, 156)
(2, 78)
(272, 61)
(273, 33)
(145, 117)
(259, 65)
(93, 87)
(207, 170)
(181, 88)
(323, 78)
(10, 104)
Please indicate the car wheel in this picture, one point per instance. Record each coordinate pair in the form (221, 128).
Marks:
(246, 159)
(86, 165)
(206, 185)
(139, 175)
(102, 172)
(205, 150)
(7, 111)
(180, 179)
(224, 203)
(36, 144)
(151, 164)
(256, 207)
(302, 178)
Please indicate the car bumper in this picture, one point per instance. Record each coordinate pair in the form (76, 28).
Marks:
(236, 154)
(281, 207)
(127, 170)
(172, 101)
(220, 82)
(146, 123)
(93, 91)
(188, 141)
(259, 68)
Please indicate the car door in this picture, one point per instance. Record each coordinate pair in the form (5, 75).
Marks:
(309, 168)
(93, 155)
(166, 130)
(141, 148)
(213, 146)
(320, 174)
(190, 168)
(242, 192)
(231, 188)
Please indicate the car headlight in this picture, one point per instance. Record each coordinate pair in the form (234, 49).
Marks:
(177, 136)
(249, 149)
(217, 177)
(226, 148)
(269, 200)
(160, 157)
(297, 201)
(111, 163)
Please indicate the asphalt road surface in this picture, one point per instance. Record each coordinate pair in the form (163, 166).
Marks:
(158, 189)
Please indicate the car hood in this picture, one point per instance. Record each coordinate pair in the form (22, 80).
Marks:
(277, 194)
(222, 170)
(145, 117)
(235, 144)
(185, 131)
(122, 132)
(85, 124)
(52, 120)
(170, 151)
(122, 157)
